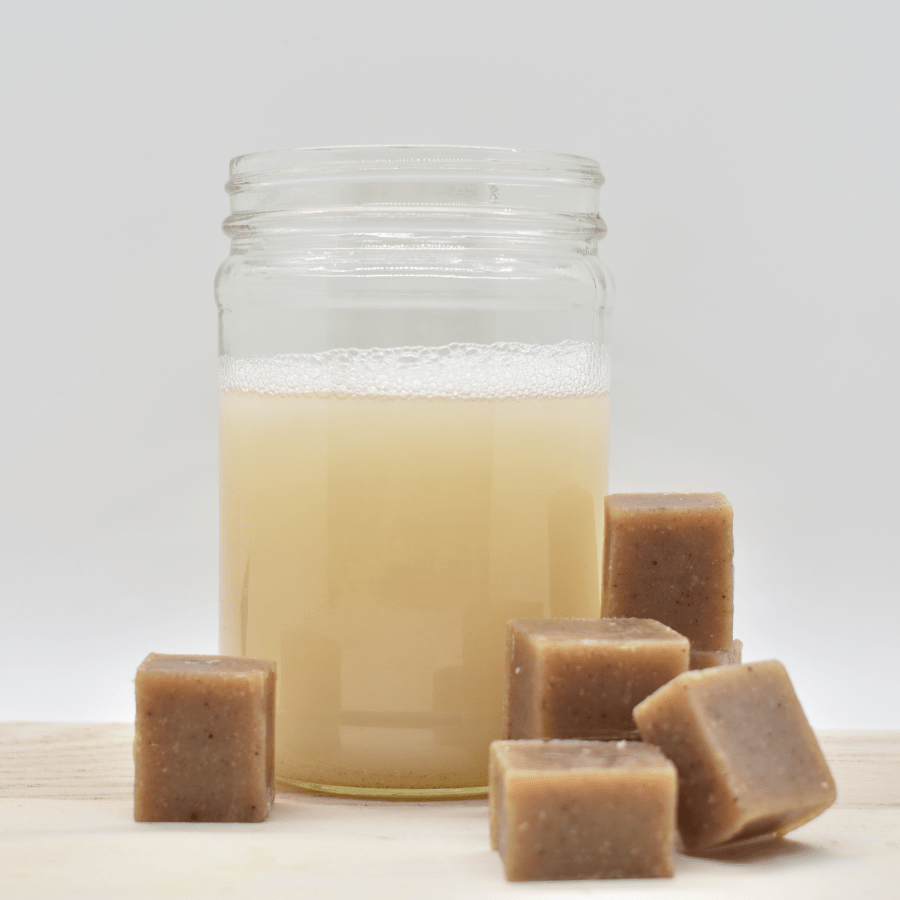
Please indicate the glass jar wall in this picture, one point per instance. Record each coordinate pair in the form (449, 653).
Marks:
(414, 440)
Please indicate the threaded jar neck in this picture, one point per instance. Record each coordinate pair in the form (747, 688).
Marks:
(417, 193)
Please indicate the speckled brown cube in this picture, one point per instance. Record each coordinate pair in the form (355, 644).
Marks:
(582, 809)
(670, 557)
(748, 761)
(581, 678)
(204, 747)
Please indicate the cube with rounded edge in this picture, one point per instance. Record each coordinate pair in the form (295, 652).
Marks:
(582, 809)
(669, 557)
(748, 761)
(581, 678)
(204, 743)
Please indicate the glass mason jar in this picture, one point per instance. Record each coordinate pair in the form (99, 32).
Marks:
(414, 443)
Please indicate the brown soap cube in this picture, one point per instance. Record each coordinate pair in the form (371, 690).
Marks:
(706, 659)
(582, 809)
(581, 678)
(204, 739)
(669, 557)
(748, 761)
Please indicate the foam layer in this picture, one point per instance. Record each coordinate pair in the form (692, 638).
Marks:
(456, 371)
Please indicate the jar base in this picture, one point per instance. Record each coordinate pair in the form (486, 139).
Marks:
(372, 793)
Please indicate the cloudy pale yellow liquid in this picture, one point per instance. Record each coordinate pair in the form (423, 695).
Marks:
(375, 547)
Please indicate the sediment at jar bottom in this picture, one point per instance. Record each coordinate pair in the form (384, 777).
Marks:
(376, 547)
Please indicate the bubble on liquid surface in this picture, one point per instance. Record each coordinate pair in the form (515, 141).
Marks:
(455, 371)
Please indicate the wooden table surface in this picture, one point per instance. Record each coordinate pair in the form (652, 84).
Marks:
(67, 830)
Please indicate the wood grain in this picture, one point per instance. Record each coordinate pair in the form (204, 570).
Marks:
(94, 761)
(66, 761)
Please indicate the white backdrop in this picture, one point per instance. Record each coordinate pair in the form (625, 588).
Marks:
(751, 153)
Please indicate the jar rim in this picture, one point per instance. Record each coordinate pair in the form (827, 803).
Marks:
(411, 158)
(420, 180)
